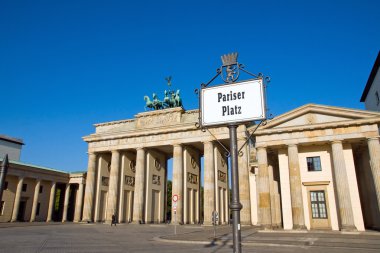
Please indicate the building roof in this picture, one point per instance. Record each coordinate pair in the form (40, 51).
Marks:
(33, 166)
(11, 139)
(371, 77)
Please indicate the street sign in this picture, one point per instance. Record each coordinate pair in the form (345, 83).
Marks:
(175, 198)
(233, 103)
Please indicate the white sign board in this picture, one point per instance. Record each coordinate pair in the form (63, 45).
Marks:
(232, 103)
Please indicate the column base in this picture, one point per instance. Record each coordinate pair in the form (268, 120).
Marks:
(87, 221)
(140, 222)
(207, 223)
(276, 226)
(348, 228)
(265, 227)
(108, 222)
(299, 227)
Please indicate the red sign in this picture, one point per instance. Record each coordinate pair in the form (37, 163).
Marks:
(175, 198)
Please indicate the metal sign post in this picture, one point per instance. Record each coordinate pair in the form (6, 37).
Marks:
(235, 205)
(231, 104)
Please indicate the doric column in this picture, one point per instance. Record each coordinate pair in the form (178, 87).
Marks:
(263, 188)
(51, 202)
(342, 188)
(35, 200)
(122, 205)
(66, 203)
(295, 188)
(138, 204)
(112, 190)
(209, 183)
(90, 188)
(178, 182)
(245, 200)
(272, 195)
(16, 204)
(374, 154)
(78, 203)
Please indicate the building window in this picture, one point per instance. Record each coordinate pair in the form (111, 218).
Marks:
(24, 187)
(6, 185)
(2, 207)
(41, 188)
(314, 163)
(38, 208)
(318, 205)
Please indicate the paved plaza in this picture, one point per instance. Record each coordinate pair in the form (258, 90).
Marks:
(69, 237)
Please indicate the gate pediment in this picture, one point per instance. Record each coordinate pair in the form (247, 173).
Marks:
(314, 116)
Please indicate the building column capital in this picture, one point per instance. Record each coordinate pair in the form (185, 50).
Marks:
(336, 141)
(261, 148)
(373, 138)
(291, 145)
(92, 154)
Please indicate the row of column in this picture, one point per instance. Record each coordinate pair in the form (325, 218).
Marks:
(111, 201)
(177, 187)
(78, 204)
(340, 180)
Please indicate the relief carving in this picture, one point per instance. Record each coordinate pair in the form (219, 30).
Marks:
(193, 163)
(130, 181)
(105, 181)
(192, 178)
(222, 176)
(156, 180)
(223, 162)
(157, 164)
(132, 166)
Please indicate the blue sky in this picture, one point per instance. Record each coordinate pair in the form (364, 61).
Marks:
(65, 65)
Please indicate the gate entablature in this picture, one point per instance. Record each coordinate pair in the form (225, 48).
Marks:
(154, 128)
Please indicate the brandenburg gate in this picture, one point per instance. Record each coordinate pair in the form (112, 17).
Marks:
(127, 169)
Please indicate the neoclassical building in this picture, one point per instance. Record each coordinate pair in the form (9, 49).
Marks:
(315, 167)
(36, 193)
(127, 170)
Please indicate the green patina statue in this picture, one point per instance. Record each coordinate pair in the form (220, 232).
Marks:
(172, 99)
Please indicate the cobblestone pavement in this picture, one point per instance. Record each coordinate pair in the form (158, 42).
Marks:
(71, 237)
